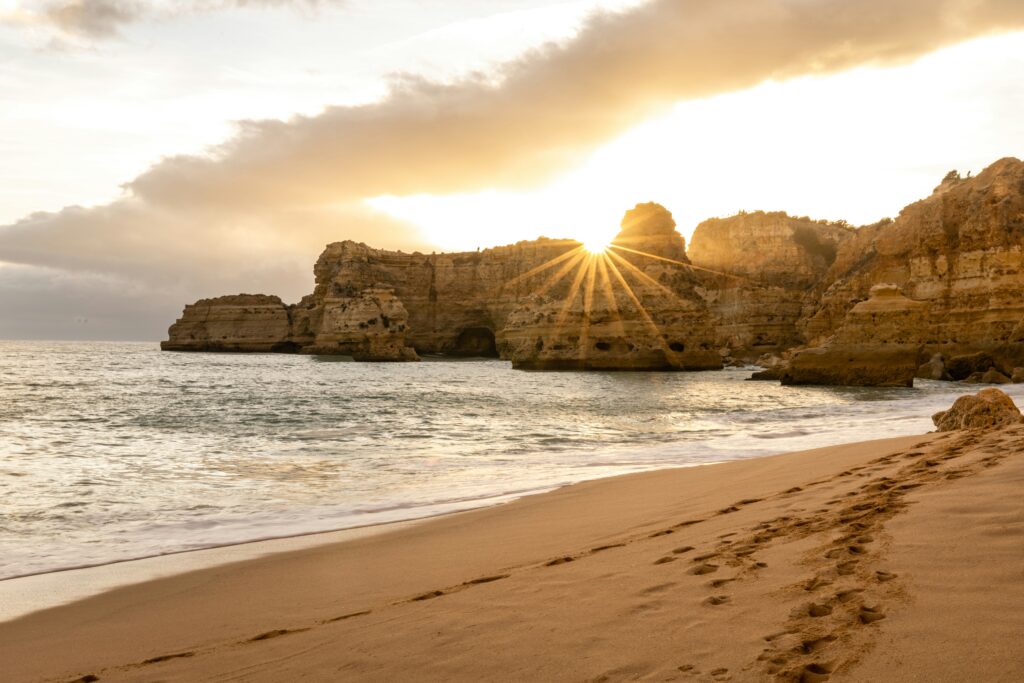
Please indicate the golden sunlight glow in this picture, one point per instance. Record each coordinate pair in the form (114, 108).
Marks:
(595, 245)
(889, 156)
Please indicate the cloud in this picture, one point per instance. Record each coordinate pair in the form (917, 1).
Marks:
(545, 111)
(281, 188)
(93, 18)
(103, 19)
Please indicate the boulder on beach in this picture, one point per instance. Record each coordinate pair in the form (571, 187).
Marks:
(988, 409)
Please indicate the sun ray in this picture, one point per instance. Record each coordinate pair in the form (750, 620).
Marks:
(643, 312)
(570, 298)
(644, 278)
(609, 293)
(544, 266)
(560, 273)
(675, 262)
(588, 306)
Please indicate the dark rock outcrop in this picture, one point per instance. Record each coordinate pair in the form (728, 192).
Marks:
(935, 369)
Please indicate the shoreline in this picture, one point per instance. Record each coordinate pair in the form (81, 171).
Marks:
(666, 564)
(53, 588)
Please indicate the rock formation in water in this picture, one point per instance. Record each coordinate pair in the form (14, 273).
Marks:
(988, 409)
(541, 304)
(878, 344)
(242, 322)
(636, 307)
(752, 284)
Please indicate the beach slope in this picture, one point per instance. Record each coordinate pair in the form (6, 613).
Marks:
(900, 559)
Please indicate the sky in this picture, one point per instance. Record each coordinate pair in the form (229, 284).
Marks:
(153, 153)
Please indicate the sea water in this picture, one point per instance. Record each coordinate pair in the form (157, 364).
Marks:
(114, 451)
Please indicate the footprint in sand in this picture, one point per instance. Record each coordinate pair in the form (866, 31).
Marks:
(703, 569)
(485, 579)
(846, 568)
(819, 610)
(343, 617)
(419, 598)
(601, 548)
(815, 673)
(683, 549)
(557, 561)
(884, 576)
(847, 595)
(816, 583)
(716, 600)
(665, 560)
(816, 644)
(870, 615)
(164, 658)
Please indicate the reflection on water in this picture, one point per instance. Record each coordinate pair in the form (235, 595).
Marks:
(111, 451)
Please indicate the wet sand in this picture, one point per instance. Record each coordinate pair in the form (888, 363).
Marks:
(900, 559)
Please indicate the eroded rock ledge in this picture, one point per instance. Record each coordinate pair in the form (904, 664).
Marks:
(938, 293)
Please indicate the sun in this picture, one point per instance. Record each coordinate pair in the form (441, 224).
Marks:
(595, 246)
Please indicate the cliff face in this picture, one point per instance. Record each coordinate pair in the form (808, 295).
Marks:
(758, 271)
(751, 284)
(959, 250)
(633, 307)
(456, 303)
(541, 304)
(878, 344)
(242, 322)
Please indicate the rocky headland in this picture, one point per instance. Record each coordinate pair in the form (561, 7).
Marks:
(937, 292)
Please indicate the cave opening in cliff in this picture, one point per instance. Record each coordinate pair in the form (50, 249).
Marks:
(475, 341)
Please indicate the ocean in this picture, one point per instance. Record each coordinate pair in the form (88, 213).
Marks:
(115, 451)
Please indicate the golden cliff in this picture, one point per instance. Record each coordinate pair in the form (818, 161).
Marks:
(960, 252)
(543, 304)
(758, 270)
(757, 283)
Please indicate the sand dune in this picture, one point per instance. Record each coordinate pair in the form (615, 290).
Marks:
(900, 559)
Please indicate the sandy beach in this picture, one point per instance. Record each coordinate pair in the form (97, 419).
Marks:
(900, 559)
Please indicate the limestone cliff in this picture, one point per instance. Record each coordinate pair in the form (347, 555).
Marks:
(633, 307)
(959, 250)
(455, 302)
(542, 303)
(878, 344)
(758, 272)
(242, 322)
(751, 284)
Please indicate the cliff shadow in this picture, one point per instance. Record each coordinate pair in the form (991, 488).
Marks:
(475, 342)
